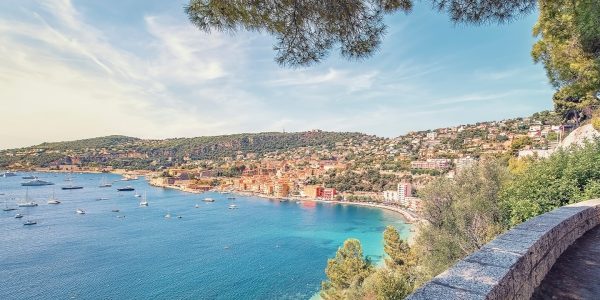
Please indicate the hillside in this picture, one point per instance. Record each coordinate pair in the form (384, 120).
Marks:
(129, 152)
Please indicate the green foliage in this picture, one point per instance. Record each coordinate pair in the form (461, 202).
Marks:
(370, 181)
(520, 143)
(568, 176)
(569, 48)
(386, 284)
(346, 271)
(397, 250)
(462, 213)
(307, 30)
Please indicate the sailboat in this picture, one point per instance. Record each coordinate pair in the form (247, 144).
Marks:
(104, 183)
(53, 200)
(27, 202)
(144, 201)
(71, 186)
(6, 208)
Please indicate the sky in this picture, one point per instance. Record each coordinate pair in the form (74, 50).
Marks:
(81, 69)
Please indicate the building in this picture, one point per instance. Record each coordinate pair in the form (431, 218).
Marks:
(431, 135)
(313, 191)
(390, 196)
(404, 191)
(464, 162)
(431, 164)
(329, 193)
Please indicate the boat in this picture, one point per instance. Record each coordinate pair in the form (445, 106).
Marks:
(27, 203)
(80, 211)
(129, 177)
(233, 206)
(71, 187)
(197, 206)
(126, 189)
(115, 210)
(137, 195)
(53, 200)
(101, 199)
(36, 182)
(28, 177)
(18, 216)
(179, 217)
(208, 200)
(231, 198)
(104, 183)
(144, 201)
(6, 208)
(29, 222)
(168, 215)
(9, 174)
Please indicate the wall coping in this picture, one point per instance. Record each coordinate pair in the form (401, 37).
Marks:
(515, 262)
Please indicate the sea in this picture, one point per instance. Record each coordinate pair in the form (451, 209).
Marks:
(264, 249)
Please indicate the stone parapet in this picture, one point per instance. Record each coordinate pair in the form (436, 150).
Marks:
(513, 265)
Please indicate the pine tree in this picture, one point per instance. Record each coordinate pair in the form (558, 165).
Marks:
(346, 271)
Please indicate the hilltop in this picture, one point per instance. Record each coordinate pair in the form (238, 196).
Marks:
(133, 153)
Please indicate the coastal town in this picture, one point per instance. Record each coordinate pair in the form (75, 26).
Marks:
(356, 169)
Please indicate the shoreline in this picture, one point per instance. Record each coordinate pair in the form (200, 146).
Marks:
(406, 216)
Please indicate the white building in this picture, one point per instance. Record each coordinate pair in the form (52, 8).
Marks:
(390, 196)
(404, 191)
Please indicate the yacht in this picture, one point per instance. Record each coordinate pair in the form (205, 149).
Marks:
(208, 200)
(71, 187)
(29, 222)
(126, 189)
(27, 202)
(168, 215)
(137, 195)
(197, 206)
(104, 183)
(53, 200)
(29, 177)
(80, 211)
(36, 182)
(9, 174)
(101, 199)
(231, 198)
(144, 201)
(6, 208)
(233, 206)
(115, 210)
(18, 216)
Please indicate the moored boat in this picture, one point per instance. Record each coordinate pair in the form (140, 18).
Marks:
(18, 216)
(126, 189)
(80, 211)
(233, 206)
(208, 200)
(37, 182)
(29, 222)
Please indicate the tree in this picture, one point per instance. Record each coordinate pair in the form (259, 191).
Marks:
(568, 176)
(569, 48)
(462, 215)
(307, 30)
(397, 250)
(386, 284)
(346, 271)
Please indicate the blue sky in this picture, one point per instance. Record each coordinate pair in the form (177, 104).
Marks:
(77, 69)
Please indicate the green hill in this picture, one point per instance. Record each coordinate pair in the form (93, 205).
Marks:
(128, 152)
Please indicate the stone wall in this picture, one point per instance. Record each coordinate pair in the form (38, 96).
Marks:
(513, 265)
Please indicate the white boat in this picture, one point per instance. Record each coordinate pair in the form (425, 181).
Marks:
(137, 195)
(208, 200)
(53, 200)
(18, 216)
(6, 208)
(233, 206)
(197, 206)
(144, 201)
(29, 222)
(80, 211)
(168, 215)
(104, 183)
(102, 199)
(37, 182)
(27, 202)
(9, 174)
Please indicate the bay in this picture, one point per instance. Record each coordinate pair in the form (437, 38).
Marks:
(265, 249)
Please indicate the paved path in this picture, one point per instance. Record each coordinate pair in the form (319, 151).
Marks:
(576, 273)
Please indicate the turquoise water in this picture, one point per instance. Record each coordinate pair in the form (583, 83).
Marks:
(266, 249)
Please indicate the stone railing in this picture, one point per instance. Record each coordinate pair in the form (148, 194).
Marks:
(514, 264)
